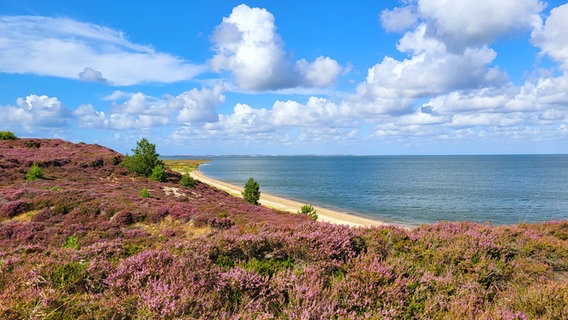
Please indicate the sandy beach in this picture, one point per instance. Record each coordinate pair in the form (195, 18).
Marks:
(324, 215)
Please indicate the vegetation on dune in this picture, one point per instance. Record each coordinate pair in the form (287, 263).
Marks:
(34, 173)
(72, 248)
(187, 181)
(7, 135)
(309, 211)
(145, 161)
(251, 192)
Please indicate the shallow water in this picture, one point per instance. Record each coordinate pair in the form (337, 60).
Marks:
(412, 190)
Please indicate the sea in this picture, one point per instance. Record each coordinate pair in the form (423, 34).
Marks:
(412, 190)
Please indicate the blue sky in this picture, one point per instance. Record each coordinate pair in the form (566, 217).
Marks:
(289, 77)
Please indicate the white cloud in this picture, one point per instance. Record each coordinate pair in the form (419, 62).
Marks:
(67, 48)
(198, 105)
(321, 73)
(92, 75)
(449, 59)
(398, 19)
(35, 113)
(552, 37)
(140, 111)
(89, 117)
(247, 45)
(467, 23)
(431, 70)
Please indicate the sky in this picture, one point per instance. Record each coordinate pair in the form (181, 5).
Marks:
(212, 77)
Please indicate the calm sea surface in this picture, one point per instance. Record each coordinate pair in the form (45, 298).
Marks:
(412, 190)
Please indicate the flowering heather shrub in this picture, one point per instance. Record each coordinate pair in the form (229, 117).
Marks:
(13, 208)
(221, 223)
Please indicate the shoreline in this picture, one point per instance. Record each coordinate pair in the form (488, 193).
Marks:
(283, 204)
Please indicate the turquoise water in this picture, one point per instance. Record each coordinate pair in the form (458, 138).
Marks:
(412, 190)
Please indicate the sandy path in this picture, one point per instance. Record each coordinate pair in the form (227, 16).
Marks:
(325, 215)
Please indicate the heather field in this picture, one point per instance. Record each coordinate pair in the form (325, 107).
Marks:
(88, 239)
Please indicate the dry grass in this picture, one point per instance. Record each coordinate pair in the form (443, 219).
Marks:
(24, 217)
(182, 229)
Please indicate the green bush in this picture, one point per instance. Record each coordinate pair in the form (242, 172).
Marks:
(72, 243)
(70, 277)
(251, 193)
(144, 160)
(158, 173)
(144, 193)
(34, 173)
(7, 135)
(310, 211)
(187, 181)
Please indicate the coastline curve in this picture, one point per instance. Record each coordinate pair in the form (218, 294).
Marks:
(283, 204)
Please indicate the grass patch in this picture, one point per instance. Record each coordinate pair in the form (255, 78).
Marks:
(184, 166)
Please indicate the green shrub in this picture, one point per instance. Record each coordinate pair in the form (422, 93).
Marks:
(34, 173)
(222, 214)
(268, 267)
(187, 181)
(158, 173)
(310, 211)
(72, 243)
(70, 277)
(144, 193)
(7, 135)
(251, 193)
(144, 159)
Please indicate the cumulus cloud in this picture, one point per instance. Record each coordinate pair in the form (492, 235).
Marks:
(198, 105)
(322, 72)
(119, 119)
(140, 111)
(398, 19)
(92, 75)
(431, 70)
(247, 45)
(552, 37)
(35, 112)
(470, 23)
(72, 49)
(448, 48)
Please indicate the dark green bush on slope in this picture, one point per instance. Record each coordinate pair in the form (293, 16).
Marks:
(309, 211)
(144, 159)
(34, 173)
(7, 135)
(187, 181)
(158, 173)
(251, 193)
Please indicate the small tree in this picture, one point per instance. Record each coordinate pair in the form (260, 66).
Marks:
(251, 193)
(310, 211)
(34, 173)
(7, 135)
(144, 159)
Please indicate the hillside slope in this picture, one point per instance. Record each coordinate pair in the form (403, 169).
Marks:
(83, 243)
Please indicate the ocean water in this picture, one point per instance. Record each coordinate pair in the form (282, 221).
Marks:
(413, 190)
